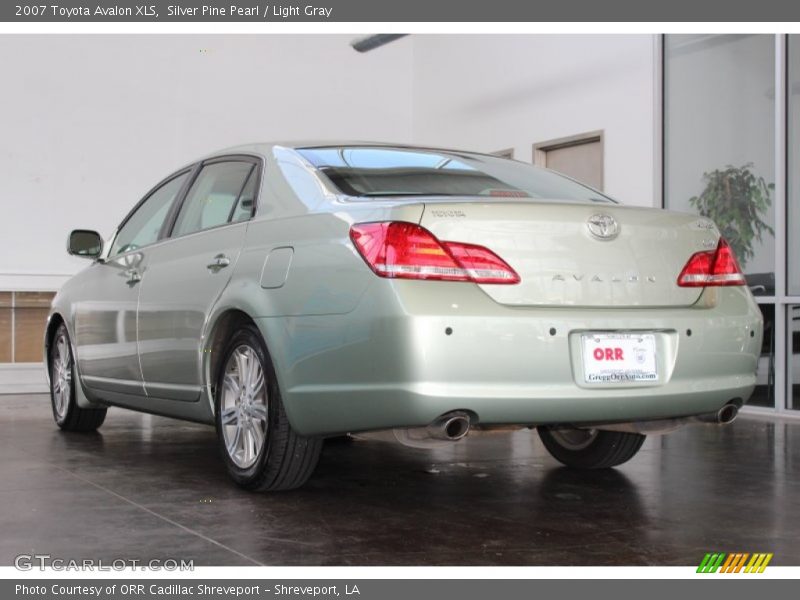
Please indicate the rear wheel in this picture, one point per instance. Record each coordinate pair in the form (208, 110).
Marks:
(590, 448)
(260, 448)
(66, 412)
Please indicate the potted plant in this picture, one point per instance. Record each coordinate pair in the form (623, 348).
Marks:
(736, 199)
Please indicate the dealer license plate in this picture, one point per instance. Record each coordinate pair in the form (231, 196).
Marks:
(619, 357)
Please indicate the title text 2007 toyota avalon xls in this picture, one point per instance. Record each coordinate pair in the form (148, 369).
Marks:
(291, 292)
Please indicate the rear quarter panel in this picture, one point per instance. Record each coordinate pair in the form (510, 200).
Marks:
(326, 280)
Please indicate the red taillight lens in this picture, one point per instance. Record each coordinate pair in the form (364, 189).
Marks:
(405, 250)
(483, 265)
(408, 251)
(713, 267)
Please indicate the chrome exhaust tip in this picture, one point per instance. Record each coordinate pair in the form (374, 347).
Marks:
(727, 414)
(450, 426)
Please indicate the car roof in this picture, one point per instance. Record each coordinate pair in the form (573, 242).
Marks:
(265, 148)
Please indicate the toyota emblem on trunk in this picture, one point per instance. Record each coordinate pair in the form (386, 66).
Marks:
(603, 227)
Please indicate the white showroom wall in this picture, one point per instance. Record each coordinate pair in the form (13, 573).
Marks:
(493, 92)
(89, 123)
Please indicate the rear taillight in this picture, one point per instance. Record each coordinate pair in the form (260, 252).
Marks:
(712, 267)
(408, 251)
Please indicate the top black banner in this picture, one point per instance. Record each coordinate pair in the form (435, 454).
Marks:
(463, 11)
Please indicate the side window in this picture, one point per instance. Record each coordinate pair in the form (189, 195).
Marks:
(143, 227)
(247, 199)
(212, 197)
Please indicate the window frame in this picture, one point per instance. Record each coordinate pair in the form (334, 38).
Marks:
(172, 216)
(188, 170)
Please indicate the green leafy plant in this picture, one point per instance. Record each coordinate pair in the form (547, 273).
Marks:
(736, 199)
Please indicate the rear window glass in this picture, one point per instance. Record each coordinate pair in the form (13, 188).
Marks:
(382, 171)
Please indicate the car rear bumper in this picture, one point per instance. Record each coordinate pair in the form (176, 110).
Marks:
(412, 351)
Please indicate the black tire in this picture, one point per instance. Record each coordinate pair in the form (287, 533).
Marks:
(284, 460)
(66, 412)
(597, 450)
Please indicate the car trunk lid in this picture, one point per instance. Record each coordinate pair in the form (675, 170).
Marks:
(562, 262)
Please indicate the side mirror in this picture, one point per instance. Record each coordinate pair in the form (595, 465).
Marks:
(85, 243)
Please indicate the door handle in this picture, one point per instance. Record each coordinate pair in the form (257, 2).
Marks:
(133, 276)
(220, 262)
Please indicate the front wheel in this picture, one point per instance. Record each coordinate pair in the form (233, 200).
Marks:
(590, 448)
(66, 412)
(260, 448)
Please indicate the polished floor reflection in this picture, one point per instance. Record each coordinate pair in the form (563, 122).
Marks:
(148, 487)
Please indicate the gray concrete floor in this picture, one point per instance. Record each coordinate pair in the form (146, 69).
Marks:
(148, 487)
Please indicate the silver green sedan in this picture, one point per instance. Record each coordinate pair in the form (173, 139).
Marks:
(291, 292)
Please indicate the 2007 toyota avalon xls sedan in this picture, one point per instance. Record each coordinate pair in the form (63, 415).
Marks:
(291, 292)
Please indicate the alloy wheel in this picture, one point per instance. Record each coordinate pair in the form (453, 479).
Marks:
(61, 375)
(243, 407)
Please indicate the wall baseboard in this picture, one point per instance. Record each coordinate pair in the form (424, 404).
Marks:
(23, 378)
